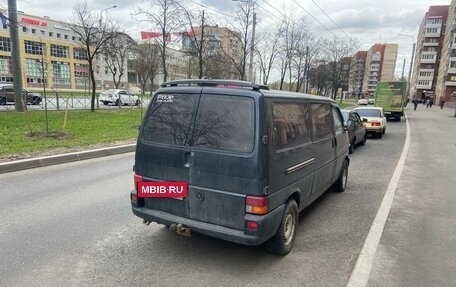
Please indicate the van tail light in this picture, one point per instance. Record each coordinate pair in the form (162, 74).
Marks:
(375, 124)
(137, 178)
(257, 204)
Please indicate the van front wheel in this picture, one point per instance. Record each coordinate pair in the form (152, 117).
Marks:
(282, 242)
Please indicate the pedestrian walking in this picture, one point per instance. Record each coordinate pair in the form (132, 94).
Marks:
(431, 102)
(427, 103)
(415, 104)
(442, 104)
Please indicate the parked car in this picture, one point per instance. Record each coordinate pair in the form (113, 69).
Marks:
(374, 119)
(363, 102)
(356, 130)
(244, 160)
(118, 97)
(371, 101)
(7, 95)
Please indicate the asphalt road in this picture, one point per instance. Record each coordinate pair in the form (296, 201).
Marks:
(71, 225)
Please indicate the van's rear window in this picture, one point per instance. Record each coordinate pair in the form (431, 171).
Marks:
(225, 123)
(220, 122)
(170, 119)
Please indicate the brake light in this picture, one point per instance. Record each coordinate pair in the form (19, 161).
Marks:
(137, 178)
(133, 198)
(375, 124)
(257, 204)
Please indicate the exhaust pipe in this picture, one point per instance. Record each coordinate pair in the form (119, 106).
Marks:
(146, 222)
(180, 229)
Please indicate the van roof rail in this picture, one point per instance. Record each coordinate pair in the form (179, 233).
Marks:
(215, 83)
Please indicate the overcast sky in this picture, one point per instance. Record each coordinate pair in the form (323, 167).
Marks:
(367, 21)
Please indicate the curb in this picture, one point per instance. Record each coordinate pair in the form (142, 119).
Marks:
(64, 158)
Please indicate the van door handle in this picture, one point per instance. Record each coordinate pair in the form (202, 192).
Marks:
(189, 158)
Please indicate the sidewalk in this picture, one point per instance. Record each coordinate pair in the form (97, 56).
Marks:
(418, 244)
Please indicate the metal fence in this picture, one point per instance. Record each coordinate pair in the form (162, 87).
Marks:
(62, 101)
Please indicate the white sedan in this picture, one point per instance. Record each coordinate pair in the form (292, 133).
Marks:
(118, 97)
(374, 120)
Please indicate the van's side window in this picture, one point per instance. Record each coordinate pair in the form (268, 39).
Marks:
(321, 120)
(338, 121)
(169, 119)
(225, 123)
(290, 124)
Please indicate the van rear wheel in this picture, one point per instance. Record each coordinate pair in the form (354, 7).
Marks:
(341, 183)
(282, 242)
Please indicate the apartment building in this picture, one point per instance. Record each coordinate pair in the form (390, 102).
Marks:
(428, 54)
(220, 43)
(50, 49)
(446, 79)
(355, 80)
(380, 66)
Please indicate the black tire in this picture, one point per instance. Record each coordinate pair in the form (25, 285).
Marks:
(363, 142)
(2, 101)
(383, 131)
(341, 183)
(282, 242)
(118, 102)
(105, 103)
(380, 135)
(351, 147)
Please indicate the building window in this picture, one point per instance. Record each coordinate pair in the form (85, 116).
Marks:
(34, 48)
(42, 32)
(24, 29)
(50, 34)
(61, 73)
(5, 44)
(73, 38)
(5, 66)
(80, 54)
(58, 35)
(66, 37)
(59, 51)
(33, 31)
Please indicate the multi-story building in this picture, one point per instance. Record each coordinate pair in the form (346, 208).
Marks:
(50, 50)
(380, 65)
(428, 52)
(446, 79)
(218, 43)
(355, 81)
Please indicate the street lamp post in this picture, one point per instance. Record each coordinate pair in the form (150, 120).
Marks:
(411, 63)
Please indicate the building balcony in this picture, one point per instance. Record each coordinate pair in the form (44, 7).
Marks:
(430, 44)
(428, 61)
(450, 83)
(433, 35)
(424, 87)
(451, 70)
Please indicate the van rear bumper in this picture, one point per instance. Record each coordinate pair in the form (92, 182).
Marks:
(268, 225)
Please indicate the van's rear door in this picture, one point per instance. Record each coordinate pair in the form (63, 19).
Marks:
(163, 150)
(224, 167)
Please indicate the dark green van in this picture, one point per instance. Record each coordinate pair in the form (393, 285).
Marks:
(248, 158)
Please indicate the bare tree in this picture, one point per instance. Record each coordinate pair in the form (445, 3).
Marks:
(338, 54)
(243, 28)
(165, 16)
(115, 54)
(267, 50)
(146, 63)
(93, 32)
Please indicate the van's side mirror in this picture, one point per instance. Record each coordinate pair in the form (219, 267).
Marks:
(364, 120)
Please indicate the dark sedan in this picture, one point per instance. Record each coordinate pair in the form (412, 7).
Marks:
(7, 95)
(356, 129)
